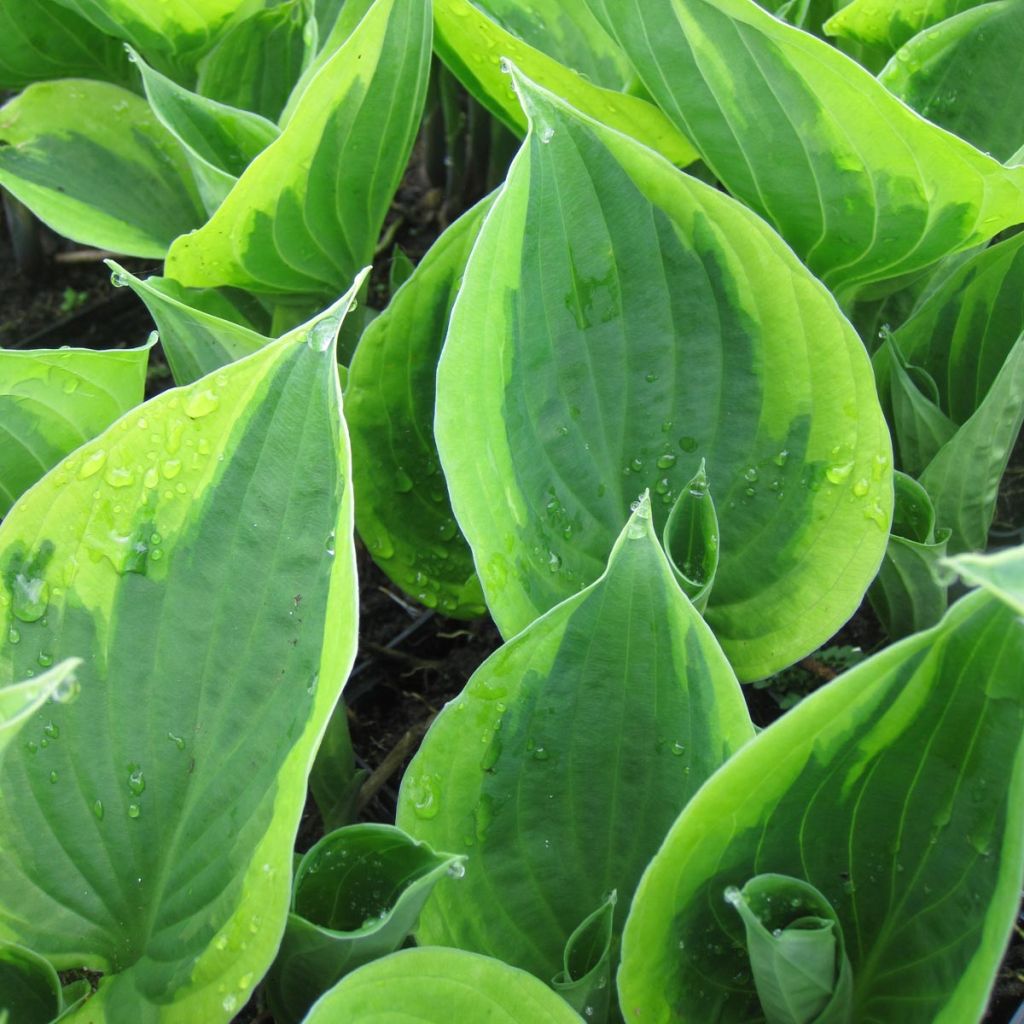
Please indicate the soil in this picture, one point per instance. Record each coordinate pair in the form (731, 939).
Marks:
(411, 660)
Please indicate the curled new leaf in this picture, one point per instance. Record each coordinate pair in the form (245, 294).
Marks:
(691, 539)
(585, 980)
(29, 987)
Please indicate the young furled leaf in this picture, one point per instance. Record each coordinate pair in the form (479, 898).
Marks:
(619, 321)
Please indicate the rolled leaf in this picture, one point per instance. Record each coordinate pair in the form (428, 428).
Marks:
(963, 478)
(962, 75)
(356, 898)
(584, 981)
(862, 188)
(305, 215)
(195, 341)
(562, 764)
(1001, 573)
(472, 45)
(39, 40)
(895, 792)
(256, 64)
(618, 322)
(91, 160)
(334, 781)
(438, 986)
(890, 23)
(797, 953)
(909, 594)
(19, 701)
(148, 826)
(691, 539)
(29, 987)
(404, 515)
(52, 401)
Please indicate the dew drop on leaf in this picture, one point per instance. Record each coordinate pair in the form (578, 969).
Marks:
(200, 404)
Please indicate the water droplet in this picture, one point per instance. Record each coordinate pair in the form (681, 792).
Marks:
(861, 488)
(554, 562)
(52, 730)
(67, 689)
(53, 777)
(136, 781)
(547, 133)
(651, 377)
(45, 660)
(879, 465)
(877, 515)
(171, 468)
(329, 546)
(134, 810)
(678, 749)
(178, 741)
(200, 404)
(97, 810)
(120, 476)
(688, 444)
(457, 869)
(221, 943)
(733, 895)
(230, 1002)
(403, 482)
(425, 797)
(152, 478)
(636, 465)
(447, 529)
(541, 754)
(838, 473)
(751, 475)
(32, 747)
(31, 596)
(93, 464)
(667, 461)
(13, 636)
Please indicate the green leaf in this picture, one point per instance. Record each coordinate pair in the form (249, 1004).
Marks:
(19, 701)
(473, 46)
(335, 781)
(403, 512)
(796, 949)
(861, 187)
(305, 215)
(196, 342)
(561, 765)
(584, 981)
(149, 834)
(921, 428)
(895, 792)
(52, 401)
(1000, 573)
(962, 75)
(29, 987)
(909, 593)
(39, 39)
(890, 23)
(963, 478)
(171, 34)
(691, 539)
(357, 895)
(91, 160)
(219, 141)
(439, 986)
(963, 329)
(618, 322)
(256, 64)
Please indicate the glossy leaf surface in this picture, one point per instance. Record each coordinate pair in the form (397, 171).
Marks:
(356, 897)
(473, 46)
(52, 401)
(963, 74)
(91, 160)
(619, 321)
(39, 39)
(564, 761)
(403, 512)
(305, 215)
(896, 792)
(862, 188)
(148, 825)
(438, 986)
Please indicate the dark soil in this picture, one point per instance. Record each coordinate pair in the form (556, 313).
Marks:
(410, 661)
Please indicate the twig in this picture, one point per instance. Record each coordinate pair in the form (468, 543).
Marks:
(86, 256)
(391, 763)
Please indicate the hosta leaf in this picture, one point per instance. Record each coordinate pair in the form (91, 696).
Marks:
(963, 478)
(619, 321)
(220, 141)
(964, 329)
(187, 555)
(171, 34)
(909, 593)
(356, 898)
(305, 215)
(797, 953)
(29, 987)
(403, 512)
(585, 980)
(895, 792)
(691, 540)
(196, 342)
(862, 188)
(890, 23)
(439, 986)
(563, 762)
(473, 45)
(962, 74)
(255, 65)
(1001, 573)
(18, 702)
(53, 401)
(334, 781)
(39, 39)
(92, 161)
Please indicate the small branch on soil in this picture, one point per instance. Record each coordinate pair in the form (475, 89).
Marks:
(87, 256)
(392, 762)
(409, 659)
(818, 668)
